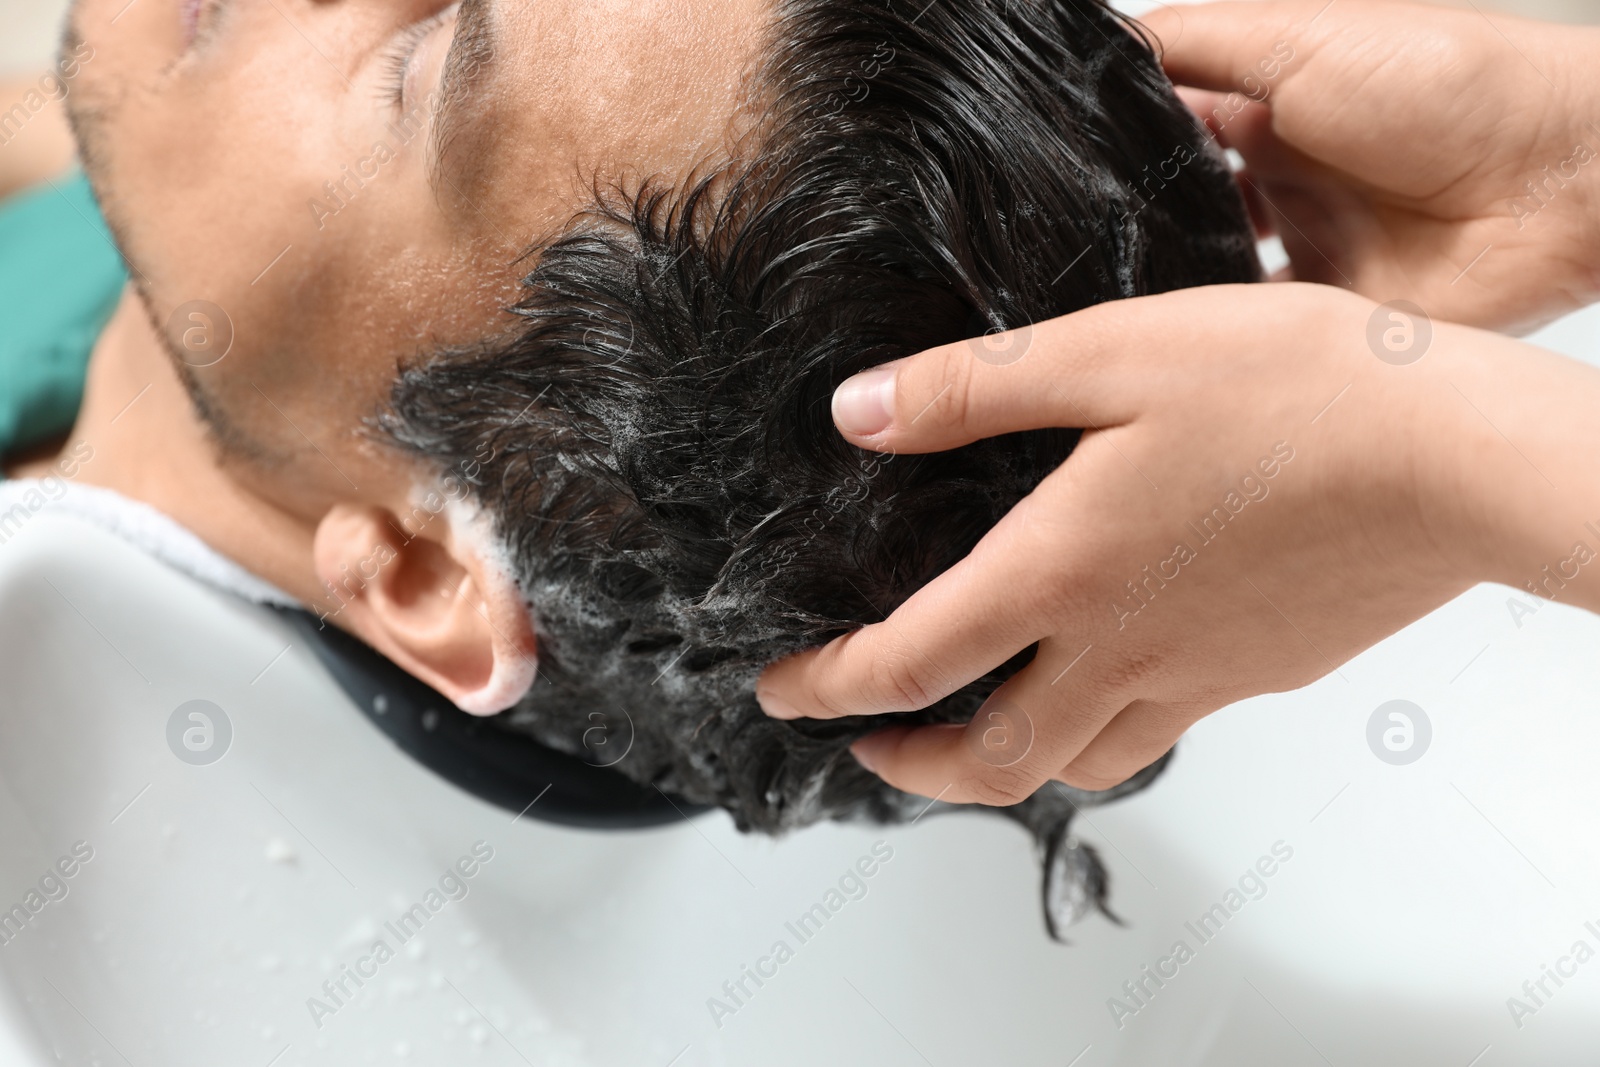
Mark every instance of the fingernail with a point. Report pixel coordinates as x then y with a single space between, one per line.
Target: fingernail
776 706
864 405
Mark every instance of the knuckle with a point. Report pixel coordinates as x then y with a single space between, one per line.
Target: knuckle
901 682
830 696
1057 591
1095 779
1000 787
1130 673
950 389
828 704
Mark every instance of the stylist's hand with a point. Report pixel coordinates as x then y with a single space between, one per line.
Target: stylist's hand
1258 499
1392 146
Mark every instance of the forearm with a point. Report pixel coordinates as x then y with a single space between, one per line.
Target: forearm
1525 466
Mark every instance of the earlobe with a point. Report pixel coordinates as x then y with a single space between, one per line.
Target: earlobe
440 607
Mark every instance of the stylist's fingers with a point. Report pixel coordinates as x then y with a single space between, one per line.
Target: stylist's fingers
1136 737
1230 46
1012 590
1023 735
991 605
956 629
1021 379
1077 371
1211 108
1232 120
1246 126
1104 366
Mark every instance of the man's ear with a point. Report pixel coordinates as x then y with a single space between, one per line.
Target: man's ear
435 605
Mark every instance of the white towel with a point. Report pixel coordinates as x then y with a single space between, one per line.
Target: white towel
138 524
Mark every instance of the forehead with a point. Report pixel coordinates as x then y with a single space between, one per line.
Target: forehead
614 90
302 210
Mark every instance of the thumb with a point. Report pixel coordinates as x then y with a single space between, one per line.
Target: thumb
1075 371
1240 46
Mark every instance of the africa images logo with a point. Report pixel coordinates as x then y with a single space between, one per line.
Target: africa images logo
1399 732
199 732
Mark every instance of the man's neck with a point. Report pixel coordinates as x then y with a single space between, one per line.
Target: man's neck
147 444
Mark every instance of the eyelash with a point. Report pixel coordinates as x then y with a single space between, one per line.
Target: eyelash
397 58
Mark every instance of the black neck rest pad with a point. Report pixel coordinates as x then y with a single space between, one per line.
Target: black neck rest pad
506 769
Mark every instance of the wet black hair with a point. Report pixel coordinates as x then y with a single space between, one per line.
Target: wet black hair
662 467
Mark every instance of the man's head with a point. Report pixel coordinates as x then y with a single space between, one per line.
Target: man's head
652 444
347 183
400 155
706 214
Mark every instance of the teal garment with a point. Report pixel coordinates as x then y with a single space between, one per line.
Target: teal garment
60 279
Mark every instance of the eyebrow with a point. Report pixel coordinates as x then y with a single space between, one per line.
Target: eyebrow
467 69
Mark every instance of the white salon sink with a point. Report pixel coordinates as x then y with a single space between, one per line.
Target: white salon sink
221 897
